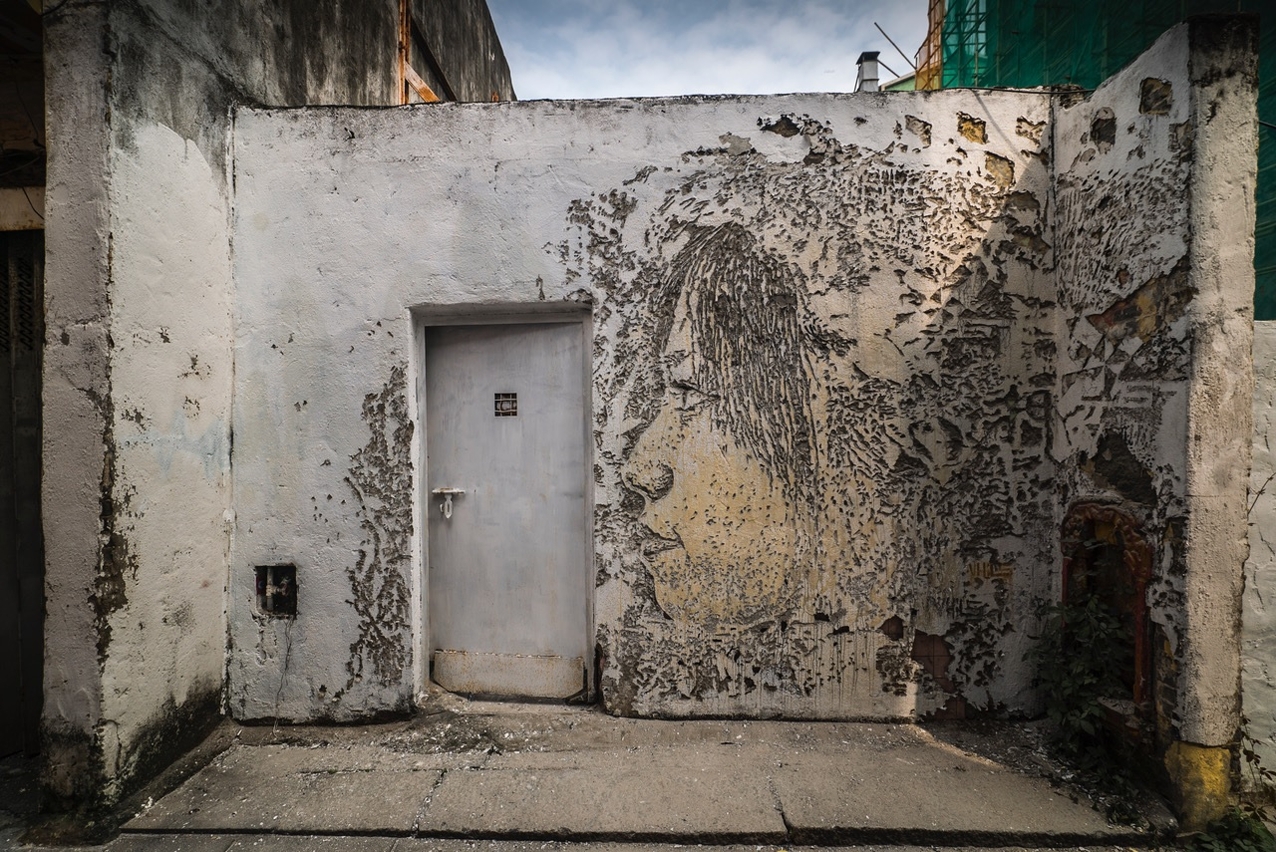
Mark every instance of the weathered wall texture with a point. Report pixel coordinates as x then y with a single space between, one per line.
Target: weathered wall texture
1154 378
139 364
870 461
1259 637
856 360
466 58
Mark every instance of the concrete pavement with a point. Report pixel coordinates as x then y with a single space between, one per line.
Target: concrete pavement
489 777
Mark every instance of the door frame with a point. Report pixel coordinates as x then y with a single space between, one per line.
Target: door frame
425 317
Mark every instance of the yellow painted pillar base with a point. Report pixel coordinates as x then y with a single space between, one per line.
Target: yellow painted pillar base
1201 780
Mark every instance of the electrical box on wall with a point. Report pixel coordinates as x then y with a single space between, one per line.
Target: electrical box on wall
277 590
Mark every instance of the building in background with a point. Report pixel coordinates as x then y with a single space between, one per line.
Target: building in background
1028 43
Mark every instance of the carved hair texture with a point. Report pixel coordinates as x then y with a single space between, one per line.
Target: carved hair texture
743 309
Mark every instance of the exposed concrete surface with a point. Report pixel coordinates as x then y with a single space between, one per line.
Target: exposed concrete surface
622 792
1156 336
139 355
547 773
337 843
1258 636
1224 73
888 522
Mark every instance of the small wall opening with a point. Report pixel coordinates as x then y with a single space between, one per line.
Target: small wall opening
277 590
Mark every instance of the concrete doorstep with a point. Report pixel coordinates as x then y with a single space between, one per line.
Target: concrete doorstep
501 772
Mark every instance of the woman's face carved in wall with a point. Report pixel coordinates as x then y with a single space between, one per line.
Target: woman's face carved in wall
727 542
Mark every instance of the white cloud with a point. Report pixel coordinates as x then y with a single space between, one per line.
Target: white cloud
596 48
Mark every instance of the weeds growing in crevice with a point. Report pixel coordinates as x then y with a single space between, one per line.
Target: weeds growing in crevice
1080 659
1236 831
1244 827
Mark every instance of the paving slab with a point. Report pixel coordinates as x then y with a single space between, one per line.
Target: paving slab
342 758
634 795
428 844
919 793
172 843
254 799
293 843
554 774
331 843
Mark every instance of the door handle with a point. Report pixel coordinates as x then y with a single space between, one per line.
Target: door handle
447 494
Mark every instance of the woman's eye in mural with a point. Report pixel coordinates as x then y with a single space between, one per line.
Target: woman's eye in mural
687 397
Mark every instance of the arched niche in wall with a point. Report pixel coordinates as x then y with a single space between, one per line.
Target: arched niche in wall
1106 556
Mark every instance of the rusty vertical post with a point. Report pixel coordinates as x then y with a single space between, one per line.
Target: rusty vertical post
405 45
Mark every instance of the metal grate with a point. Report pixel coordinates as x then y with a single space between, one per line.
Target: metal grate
21 262
506 405
6 344
25 322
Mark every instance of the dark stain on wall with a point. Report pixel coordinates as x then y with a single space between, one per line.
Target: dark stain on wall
173 730
71 774
109 586
214 55
463 41
1114 466
380 475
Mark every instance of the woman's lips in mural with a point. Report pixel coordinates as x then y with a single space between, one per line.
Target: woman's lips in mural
653 544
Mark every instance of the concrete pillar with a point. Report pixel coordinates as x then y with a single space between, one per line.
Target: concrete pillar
1223 55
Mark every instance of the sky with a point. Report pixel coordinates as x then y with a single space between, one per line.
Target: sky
627 48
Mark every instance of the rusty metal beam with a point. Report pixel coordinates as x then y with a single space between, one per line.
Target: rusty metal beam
405 45
420 86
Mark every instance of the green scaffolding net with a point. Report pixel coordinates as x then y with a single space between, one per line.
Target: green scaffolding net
1024 43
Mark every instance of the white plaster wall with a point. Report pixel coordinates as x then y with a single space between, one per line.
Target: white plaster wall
171 371
545 202
139 360
74 387
1121 227
1258 638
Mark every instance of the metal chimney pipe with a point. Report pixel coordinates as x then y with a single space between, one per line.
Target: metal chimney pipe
866 78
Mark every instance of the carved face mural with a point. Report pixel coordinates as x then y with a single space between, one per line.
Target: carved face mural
725 468
821 405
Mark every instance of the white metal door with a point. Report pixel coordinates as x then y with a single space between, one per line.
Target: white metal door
505 433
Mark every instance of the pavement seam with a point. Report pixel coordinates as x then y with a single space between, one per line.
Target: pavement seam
427 801
803 837
779 807
481 763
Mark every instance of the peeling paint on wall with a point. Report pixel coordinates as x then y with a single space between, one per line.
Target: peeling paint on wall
1125 364
835 400
1149 383
854 360
380 476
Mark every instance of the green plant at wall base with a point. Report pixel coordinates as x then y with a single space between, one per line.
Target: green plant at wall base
1079 659
1263 778
1236 831
1243 829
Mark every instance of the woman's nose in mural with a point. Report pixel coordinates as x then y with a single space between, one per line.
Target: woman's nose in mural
649 472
